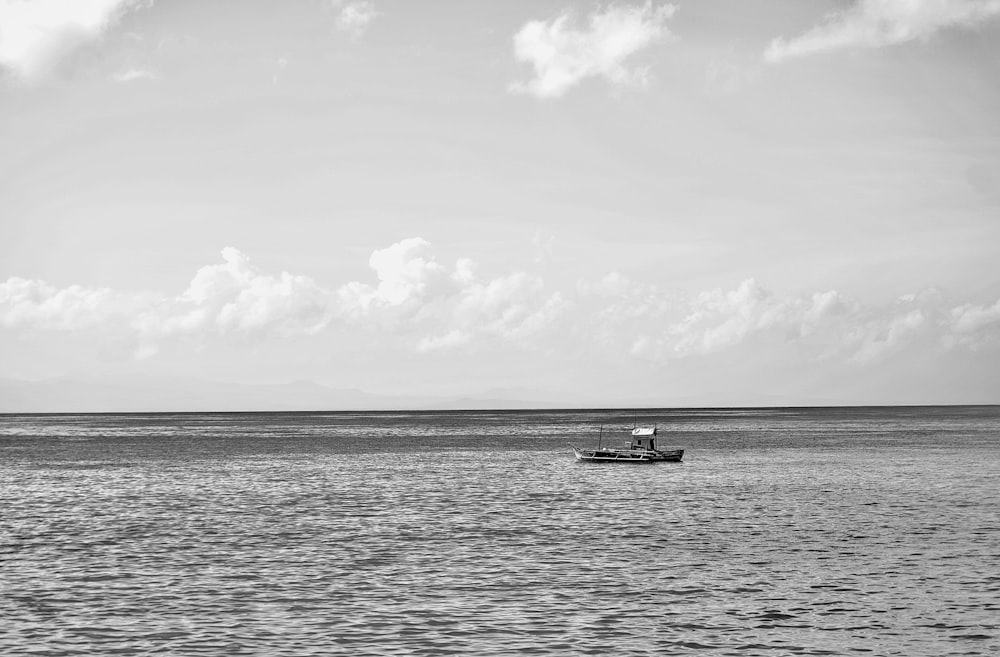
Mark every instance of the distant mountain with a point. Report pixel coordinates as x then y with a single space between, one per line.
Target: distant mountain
161 394
511 398
178 394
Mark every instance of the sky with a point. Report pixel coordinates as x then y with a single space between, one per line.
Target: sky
688 203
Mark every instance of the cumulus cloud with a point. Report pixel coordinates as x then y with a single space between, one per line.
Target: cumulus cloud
661 326
36 35
37 305
889 335
974 325
876 23
406 273
235 297
720 319
232 298
414 301
449 306
563 55
512 307
426 304
355 17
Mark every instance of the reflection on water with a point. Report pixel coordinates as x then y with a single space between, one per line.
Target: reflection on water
870 531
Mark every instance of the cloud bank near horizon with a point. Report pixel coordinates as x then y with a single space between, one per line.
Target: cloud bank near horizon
425 306
877 23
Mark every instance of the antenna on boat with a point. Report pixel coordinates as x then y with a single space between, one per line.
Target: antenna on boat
599 436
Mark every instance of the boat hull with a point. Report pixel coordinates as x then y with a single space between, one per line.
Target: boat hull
670 455
627 455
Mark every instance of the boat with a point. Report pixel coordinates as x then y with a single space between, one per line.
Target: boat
640 449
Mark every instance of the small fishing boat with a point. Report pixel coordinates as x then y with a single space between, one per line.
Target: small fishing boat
640 449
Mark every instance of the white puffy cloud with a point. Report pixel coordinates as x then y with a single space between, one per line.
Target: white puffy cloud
563 55
512 307
875 23
37 305
355 17
974 325
36 34
720 319
447 307
234 297
679 326
652 324
874 340
416 302
406 274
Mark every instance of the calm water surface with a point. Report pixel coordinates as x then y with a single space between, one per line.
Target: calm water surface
785 531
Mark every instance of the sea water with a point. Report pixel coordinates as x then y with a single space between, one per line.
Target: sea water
785 531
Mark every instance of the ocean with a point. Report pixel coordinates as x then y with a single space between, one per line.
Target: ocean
821 531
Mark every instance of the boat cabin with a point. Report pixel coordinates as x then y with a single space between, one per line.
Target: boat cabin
643 438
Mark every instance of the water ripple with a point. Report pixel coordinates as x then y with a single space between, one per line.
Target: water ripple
285 535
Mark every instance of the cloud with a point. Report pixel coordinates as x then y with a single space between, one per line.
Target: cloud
888 336
35 36
446 307
37 305
355 17
876 23
425 304
236 298
415 302
720 319
232 298
406 274
974 326
513 307
563 55
654 325
133 74
450 340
